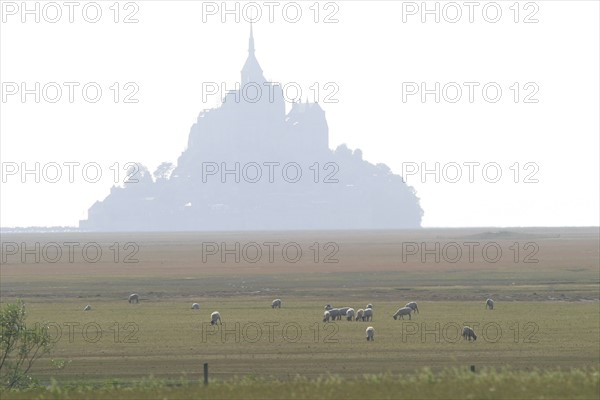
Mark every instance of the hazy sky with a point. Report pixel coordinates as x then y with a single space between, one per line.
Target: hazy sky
376 54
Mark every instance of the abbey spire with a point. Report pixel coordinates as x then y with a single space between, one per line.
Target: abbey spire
252 72
251 41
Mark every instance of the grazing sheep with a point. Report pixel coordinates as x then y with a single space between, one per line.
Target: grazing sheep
195 306
335 313
134 298
402 312
489 303
468 333
214 317
276 303
413 306
350 314
328 307
370 333
344 310
368 315
360 315
87 308
326 316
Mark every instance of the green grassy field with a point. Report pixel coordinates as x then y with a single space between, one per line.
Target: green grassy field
546 320
167 339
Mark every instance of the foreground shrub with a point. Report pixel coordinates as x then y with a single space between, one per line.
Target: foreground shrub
20 346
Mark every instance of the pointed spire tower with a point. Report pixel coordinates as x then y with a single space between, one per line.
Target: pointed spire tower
251 41
252 72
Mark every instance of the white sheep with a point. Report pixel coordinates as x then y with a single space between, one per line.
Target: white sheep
326 316
87 308
335 313
413 306
360 315
370 333
368 315
468 333
343 312
489 303
214 317
195 306
328 307
402 312
369 305
276 303
134 298
350 314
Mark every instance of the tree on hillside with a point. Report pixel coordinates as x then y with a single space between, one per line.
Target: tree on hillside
164 171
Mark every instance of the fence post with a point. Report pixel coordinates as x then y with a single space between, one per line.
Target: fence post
472 368
206 373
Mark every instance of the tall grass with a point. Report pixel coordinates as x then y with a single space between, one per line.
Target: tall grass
423 384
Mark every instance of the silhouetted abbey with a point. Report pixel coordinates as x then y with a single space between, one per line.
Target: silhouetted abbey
241 170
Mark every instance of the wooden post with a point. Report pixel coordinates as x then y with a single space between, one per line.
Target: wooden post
472 368
206 373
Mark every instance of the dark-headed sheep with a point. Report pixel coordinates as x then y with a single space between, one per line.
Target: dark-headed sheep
468 333
215 317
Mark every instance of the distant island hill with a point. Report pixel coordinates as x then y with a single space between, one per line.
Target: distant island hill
250 166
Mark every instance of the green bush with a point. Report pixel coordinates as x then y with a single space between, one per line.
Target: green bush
20 346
